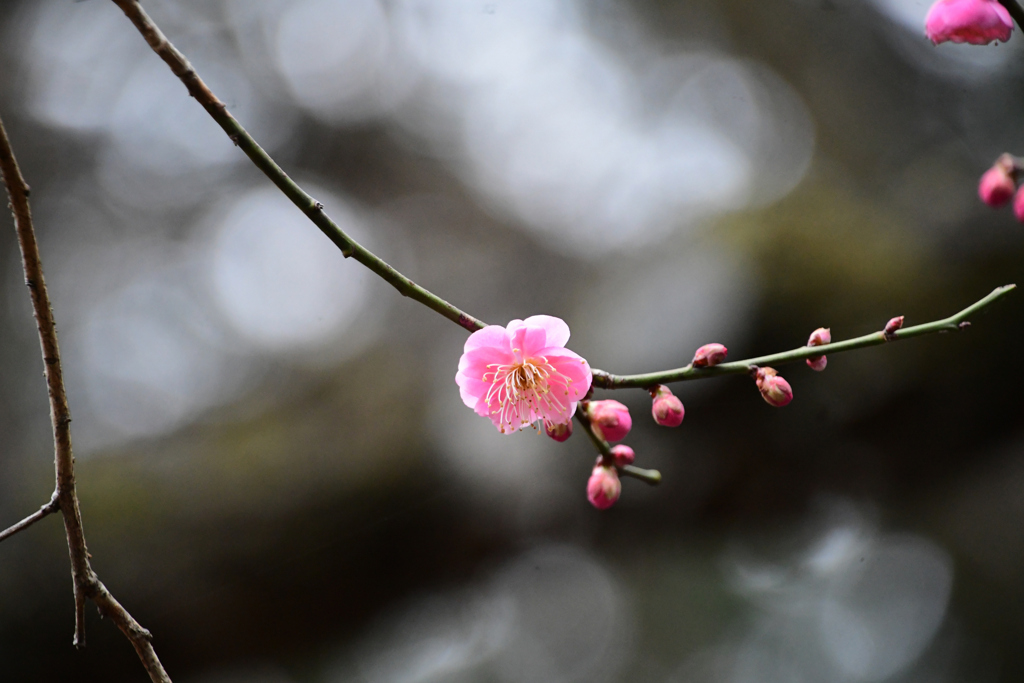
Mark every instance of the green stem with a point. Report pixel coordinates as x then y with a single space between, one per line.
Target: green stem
958 321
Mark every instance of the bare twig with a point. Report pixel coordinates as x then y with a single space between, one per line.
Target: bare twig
86 583
45 510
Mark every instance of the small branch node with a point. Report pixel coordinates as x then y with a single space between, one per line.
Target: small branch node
963 325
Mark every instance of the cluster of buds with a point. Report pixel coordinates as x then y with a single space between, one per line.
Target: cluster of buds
999 183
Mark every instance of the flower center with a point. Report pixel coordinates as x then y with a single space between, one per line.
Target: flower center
526 390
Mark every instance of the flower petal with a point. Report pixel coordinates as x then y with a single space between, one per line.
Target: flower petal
573 367
493 336
555 329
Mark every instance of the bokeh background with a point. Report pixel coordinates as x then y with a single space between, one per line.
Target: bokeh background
276 473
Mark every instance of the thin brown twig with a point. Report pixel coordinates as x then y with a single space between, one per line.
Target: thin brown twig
45 510
86 584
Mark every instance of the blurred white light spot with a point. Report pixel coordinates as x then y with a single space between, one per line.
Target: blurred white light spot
79 55
882 617
857 607
556 129
554 614
469 41
152 356
656 315
281 283
336 58
158 126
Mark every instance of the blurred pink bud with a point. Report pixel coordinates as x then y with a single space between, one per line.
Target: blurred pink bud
1018 205
893 325
996 186
611 419
558 432
623 455
819 337
775 390
708 355
817 363
604 487
968 21
667 409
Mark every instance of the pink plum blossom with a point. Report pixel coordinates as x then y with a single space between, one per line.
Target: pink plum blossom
604 487
611 419
968 21
522 373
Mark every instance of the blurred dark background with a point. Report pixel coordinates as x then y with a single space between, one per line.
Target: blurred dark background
276 473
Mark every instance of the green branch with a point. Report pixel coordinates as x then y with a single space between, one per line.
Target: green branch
958 321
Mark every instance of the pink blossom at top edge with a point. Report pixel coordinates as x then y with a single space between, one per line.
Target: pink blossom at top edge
978 22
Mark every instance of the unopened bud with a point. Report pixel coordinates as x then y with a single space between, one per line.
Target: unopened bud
996 186
775 390
819 337
558 432
611 419
666 408
708 355
891 327
604 487
623 455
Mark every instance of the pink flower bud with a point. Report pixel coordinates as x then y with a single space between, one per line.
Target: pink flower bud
611 419
708 355
558 432
775 390
996 186
817 363
968 21
604 487
819 337
1018 205
623 455
667 409
893 325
